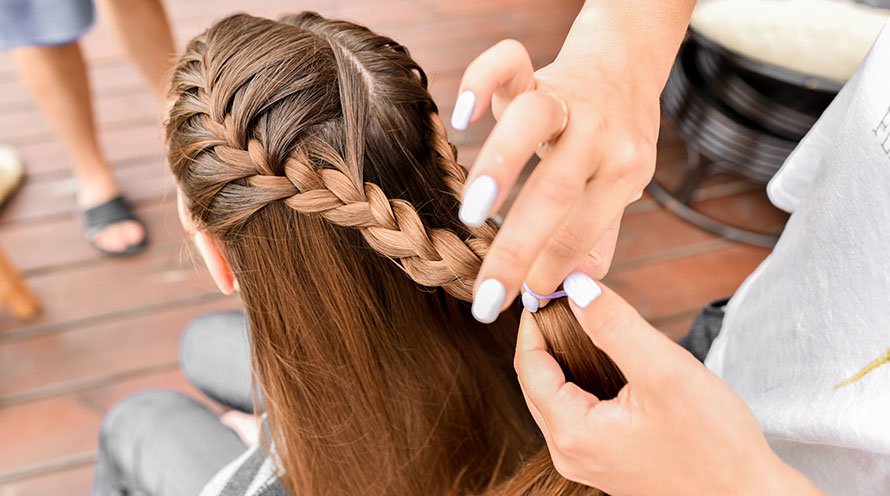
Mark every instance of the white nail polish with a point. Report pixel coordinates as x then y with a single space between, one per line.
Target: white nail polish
478 201
582 290
530 303
463 110
489 300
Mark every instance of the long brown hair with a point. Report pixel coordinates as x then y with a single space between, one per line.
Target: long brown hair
313 152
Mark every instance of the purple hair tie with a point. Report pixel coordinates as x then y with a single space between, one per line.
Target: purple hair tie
532 301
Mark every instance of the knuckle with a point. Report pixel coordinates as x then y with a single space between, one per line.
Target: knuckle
512 46
565 441
559 189
563 466
543 109
600 270
508 255
527 102
590 127
477 75
565 245
633 161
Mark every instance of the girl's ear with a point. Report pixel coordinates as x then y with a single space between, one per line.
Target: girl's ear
216 263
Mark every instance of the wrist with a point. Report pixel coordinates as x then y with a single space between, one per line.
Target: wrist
777 478
636 41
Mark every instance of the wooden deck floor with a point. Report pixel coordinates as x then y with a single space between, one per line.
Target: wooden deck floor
111 327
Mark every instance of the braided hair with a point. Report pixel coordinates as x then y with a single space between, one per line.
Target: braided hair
312 150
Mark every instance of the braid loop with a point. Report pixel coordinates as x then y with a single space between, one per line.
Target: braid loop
317 180
392 227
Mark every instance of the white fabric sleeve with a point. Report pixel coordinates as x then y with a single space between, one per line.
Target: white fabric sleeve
790 185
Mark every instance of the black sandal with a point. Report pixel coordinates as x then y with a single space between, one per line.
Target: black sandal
109 213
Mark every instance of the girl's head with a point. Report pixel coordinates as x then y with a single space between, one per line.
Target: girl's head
315 171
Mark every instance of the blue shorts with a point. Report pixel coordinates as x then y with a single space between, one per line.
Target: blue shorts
44 22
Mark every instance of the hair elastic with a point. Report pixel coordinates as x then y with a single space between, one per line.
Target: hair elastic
532 301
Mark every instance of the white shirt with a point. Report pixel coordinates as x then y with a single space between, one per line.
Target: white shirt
806 339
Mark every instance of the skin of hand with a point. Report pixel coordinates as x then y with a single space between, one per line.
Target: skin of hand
245 425
674 429
608 77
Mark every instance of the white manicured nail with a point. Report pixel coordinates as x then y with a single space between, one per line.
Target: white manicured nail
530 303
463 110
478 201
582 290
489 300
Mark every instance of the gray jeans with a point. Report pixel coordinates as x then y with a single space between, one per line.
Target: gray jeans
164 443
705 329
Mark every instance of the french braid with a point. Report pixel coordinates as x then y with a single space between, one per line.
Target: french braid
313 183
234 163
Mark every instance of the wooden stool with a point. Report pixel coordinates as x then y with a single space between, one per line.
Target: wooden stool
14 293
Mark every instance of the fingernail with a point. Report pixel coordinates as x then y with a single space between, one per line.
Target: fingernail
489 300
582 290
463 110
478 201
530 303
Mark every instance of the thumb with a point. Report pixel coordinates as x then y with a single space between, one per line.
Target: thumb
646 356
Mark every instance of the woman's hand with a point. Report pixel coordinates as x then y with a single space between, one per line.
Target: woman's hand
675 428
567 214
595 109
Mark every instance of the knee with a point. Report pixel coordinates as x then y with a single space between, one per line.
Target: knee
209 339
134 415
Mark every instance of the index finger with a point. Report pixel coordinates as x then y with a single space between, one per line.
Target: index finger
504 70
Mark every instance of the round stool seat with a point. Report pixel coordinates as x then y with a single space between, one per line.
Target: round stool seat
818 38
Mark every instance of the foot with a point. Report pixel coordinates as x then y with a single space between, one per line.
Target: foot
118 237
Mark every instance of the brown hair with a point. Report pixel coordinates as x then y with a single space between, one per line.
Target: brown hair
312 151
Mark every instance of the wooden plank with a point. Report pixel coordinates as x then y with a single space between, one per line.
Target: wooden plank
113 78
113 287
65 362
76 480
122 146
111 112
667 288
40 199
34 246
646 234
751 210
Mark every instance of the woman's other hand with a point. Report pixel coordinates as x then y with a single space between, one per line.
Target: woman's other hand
675 428
593 116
